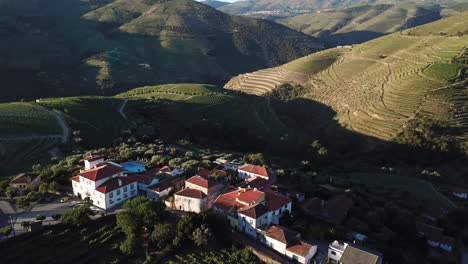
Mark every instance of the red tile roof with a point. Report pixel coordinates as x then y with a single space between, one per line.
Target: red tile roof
113 184
259 182
275 201
256 170
165 184
203 173
336 208
202 182
243 197
144 179
300 248
253 211
239 198
330 188
101 172
192 193
76 178
282 234
24 178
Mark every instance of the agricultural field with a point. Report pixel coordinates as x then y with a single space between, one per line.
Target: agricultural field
233 256
97 118
378 86
26 119
182 89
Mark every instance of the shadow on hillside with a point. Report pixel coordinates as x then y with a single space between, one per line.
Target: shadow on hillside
64 41
350 38
282 129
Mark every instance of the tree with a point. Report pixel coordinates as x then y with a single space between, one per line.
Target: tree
23 202
44 187
6 231
25 225
56 216
77 216
137 214
53 187
163 235
10 193
202 235
40 217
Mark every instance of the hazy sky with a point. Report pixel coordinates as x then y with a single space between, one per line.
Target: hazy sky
230 1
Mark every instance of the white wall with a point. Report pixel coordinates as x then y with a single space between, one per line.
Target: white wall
188 204
91 164
119 195
276 245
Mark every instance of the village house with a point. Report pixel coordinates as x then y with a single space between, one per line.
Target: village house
288 242
347 253
145 179
256 182
25 182
200 197
215 173
435 237
228 165
461 193
332 211
240 208
105 184
248 170
165 187
190 200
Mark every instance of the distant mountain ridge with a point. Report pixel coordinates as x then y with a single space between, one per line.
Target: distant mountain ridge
359 24
214 3
76 47
264 8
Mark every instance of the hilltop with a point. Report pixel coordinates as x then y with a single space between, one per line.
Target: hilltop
105 47
359 24
214 3
268 8
408 87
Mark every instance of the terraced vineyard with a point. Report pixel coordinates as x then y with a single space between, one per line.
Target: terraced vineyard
378 86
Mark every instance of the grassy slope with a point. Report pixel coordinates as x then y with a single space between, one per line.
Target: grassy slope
106 45
97 118
378 86
363 23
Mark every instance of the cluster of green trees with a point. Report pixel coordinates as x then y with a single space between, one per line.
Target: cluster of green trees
144 222
287 92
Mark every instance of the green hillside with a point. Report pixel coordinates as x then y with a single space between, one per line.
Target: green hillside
409 87
363 23
77 47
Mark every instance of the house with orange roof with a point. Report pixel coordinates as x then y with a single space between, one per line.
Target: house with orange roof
107 185
289 243
249 170
240 208
198 195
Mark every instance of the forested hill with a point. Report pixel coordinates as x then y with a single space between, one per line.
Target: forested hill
76 47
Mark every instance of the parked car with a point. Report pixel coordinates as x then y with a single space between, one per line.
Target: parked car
72 204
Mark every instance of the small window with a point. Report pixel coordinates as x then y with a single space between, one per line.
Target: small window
111 195
111 201
132 186
132 192
295 257
118 192
333 253
125 189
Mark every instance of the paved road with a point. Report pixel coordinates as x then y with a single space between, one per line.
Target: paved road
122 107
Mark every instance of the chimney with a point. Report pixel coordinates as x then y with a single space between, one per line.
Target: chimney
120 182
